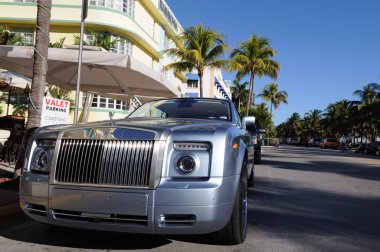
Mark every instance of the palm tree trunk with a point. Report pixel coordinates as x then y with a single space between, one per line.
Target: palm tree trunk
40 65
200 76
250 94
271 105
87 107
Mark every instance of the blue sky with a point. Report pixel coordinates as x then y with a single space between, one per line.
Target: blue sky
326 48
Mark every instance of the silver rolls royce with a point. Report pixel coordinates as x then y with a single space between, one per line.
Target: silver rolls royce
175 166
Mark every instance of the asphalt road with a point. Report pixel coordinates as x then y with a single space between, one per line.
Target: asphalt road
305 199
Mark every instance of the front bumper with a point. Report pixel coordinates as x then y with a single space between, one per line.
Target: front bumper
174 207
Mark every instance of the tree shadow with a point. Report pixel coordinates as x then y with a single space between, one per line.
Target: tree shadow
287 210
319 163
320 218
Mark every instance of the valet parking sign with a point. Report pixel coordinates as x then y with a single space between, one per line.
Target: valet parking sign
55 111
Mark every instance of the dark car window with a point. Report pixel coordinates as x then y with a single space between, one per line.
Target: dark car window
235 116
185 108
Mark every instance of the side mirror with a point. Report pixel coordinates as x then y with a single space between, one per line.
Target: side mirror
249 123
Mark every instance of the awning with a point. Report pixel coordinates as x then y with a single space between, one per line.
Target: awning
102 71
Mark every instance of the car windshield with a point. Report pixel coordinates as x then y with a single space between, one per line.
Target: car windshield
331 140
185 108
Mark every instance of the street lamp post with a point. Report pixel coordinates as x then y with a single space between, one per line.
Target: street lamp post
83 17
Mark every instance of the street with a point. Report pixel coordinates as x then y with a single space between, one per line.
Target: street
305 199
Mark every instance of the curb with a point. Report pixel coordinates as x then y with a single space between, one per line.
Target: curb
10 209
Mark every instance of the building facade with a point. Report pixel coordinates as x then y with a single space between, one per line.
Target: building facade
141 29
213 85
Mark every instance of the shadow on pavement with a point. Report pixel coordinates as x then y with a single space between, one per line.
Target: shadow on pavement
37 233
319 219
319 163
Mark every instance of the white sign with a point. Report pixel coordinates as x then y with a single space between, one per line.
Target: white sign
55 111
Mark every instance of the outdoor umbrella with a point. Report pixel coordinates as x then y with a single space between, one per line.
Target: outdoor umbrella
102 71
15 80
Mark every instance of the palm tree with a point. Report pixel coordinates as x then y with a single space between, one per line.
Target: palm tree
20 109
40 65
58 44
338 118
294 125
239 93
314 118
270 93
59 93
262 115
369 94
254 58
9 38
369 105
197 49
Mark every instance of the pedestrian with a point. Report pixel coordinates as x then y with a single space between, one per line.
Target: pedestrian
342 143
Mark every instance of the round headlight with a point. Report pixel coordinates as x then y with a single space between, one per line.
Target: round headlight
41 160
186 164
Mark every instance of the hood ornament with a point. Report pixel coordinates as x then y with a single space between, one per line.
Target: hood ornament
111 114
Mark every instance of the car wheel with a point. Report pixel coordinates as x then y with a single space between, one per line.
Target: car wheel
378 153
251 179
235 231
366 152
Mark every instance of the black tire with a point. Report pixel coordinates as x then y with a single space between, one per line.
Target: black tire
378 153
235 231
366 152
251 179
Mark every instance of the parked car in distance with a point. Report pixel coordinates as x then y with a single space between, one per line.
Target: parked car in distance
175 166
331 143
360 148
373 148
315 142
294 140
249 123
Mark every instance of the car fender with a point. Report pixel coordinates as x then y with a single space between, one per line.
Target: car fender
241 154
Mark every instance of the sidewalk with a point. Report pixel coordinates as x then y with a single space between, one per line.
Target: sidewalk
9 201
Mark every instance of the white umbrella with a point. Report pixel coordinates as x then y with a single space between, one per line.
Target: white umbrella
102 72
15 79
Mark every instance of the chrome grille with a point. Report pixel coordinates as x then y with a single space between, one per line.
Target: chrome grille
104 162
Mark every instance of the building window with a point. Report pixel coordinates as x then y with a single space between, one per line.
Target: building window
126 6
106 103
122 46
26 33
25 1
192 83
166 42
